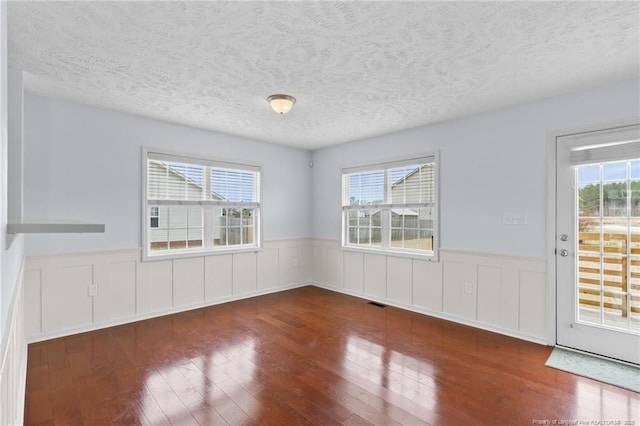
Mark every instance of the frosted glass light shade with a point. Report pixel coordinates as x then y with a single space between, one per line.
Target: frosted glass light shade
281 104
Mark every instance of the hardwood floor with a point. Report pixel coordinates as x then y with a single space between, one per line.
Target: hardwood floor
306 356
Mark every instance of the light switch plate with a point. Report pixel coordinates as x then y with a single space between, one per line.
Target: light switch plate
514 218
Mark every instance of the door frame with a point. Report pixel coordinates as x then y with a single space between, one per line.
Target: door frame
551 186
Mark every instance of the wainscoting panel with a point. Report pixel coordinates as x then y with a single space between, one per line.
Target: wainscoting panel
427 285
73 298
33 293
354 271
320 263
268 268
375 275
218 276
399 280
244 273
456 277
116 299
188 281
57 287
510 297
335 274
532 302
289 262
502 293
13 361
154 286
490 296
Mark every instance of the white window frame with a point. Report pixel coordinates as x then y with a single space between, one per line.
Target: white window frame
386 207
206 249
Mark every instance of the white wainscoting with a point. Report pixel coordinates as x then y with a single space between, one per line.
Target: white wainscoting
501 293
57 300
13 362
508 293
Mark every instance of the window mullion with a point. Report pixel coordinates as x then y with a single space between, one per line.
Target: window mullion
208 224
386 227
384 213
208 221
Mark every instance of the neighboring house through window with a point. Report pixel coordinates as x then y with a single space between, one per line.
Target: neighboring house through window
154 217
199 205
391 206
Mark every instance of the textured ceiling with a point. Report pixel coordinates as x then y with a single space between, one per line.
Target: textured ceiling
357 69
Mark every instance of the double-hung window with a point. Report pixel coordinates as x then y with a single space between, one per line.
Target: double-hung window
391 206
195 205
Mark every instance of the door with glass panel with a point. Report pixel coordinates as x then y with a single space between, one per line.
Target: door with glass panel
598 242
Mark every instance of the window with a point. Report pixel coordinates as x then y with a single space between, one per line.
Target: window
391 206
198 205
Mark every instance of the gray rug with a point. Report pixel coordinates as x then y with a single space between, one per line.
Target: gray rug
603 370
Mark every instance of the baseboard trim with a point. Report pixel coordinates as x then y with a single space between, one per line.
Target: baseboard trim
436 314
128 320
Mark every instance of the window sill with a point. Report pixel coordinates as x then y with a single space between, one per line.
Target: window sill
431 257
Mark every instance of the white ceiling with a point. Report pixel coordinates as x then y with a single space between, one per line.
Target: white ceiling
357 69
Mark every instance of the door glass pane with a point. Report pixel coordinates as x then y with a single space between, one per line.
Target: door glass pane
589 173
589 288
589 235
608 260
634 169
614 171
614 199
589 199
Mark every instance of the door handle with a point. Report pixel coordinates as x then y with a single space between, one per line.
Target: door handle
563 252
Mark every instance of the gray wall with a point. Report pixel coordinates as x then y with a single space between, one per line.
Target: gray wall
490 164
85 163
10 134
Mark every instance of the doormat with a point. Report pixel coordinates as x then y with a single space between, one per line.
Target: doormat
602 370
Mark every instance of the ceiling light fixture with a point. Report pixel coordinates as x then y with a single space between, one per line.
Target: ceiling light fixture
281 104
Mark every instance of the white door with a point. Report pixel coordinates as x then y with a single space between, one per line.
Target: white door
598 242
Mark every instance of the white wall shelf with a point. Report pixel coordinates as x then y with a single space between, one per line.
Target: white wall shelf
51 226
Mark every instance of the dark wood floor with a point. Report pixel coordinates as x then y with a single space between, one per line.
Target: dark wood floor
306 356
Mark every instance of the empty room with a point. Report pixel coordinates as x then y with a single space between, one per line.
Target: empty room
310 212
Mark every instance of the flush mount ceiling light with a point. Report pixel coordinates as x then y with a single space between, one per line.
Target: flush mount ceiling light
281 104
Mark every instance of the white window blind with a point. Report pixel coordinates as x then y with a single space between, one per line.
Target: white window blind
235 185
169 180
195 204
200 182
604 145
391 206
